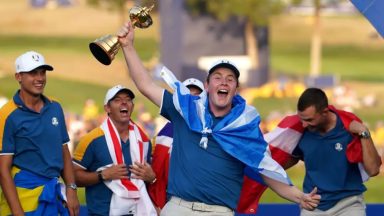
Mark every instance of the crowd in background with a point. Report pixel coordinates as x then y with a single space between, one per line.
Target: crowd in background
342 97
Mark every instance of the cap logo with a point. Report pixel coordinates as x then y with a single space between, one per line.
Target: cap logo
36 57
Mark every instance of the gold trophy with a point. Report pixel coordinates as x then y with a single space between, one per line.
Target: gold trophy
105 48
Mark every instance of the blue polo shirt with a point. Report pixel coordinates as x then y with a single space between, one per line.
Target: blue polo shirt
34 139
210 175
327 166
92 153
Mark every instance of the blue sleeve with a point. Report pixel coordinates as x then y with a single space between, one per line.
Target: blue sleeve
167 106
168 109
64 131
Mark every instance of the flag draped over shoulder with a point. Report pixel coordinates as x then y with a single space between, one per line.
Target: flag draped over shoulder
127 192
238 133
373 10
285 137
283 140
160 165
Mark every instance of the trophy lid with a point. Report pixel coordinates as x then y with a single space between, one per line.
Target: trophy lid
140 16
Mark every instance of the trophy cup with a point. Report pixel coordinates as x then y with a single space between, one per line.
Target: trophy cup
104 49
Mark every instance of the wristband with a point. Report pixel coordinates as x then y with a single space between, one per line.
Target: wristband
73 186
365 134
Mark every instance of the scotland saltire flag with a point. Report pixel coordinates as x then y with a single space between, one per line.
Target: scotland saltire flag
238 133
373 10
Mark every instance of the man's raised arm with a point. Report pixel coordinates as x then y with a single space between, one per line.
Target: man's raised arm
138 73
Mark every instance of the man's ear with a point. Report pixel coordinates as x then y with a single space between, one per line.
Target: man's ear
325 111
18 77
107 109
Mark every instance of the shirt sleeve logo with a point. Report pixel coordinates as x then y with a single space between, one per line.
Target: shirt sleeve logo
338 147
55 122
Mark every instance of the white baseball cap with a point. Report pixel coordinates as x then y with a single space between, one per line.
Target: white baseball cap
224 63
29 61
194 82
112 92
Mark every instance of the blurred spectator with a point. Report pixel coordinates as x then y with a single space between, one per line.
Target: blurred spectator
90 114
51 3
279 89
38 3
379 134
145 120
378 137
369 100
90 109
345 98
76 129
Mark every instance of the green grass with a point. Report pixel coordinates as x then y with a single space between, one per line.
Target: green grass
266 105
350 62
71 94
78 45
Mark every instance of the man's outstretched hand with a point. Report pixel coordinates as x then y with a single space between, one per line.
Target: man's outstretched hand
310 201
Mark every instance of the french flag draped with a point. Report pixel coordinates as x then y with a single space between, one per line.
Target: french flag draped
160 165
373 10
238 133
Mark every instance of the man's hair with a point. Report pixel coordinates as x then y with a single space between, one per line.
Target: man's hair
312 97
